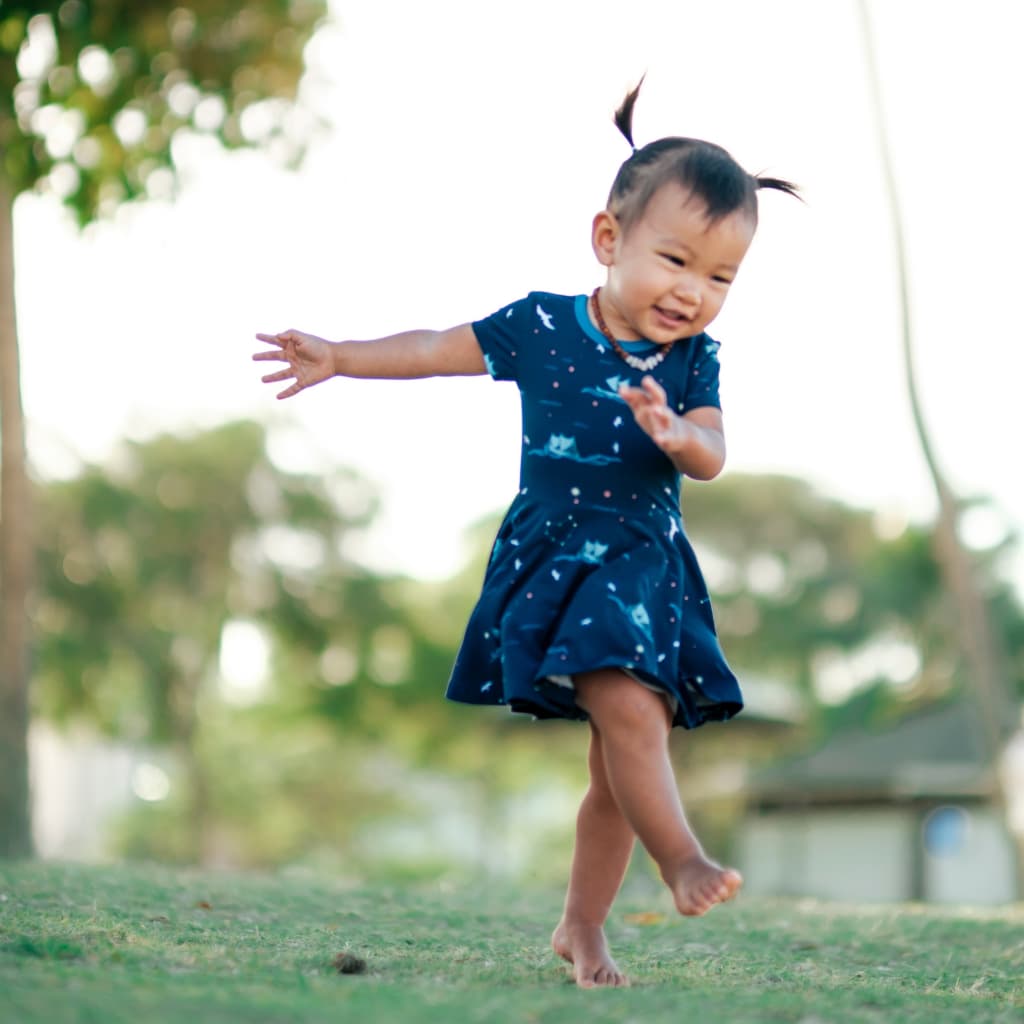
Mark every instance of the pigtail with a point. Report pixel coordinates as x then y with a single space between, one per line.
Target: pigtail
779 184
623 117
703 169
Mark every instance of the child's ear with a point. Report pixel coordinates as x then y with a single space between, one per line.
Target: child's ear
604 237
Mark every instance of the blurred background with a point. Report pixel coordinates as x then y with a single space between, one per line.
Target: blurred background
241 614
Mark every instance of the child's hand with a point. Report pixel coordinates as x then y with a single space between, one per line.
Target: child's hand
650 410
694 442
310 360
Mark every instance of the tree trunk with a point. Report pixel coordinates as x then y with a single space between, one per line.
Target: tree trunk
15 564
979 646
981 650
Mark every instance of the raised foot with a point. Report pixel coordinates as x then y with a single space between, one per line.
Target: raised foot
699 884
586 948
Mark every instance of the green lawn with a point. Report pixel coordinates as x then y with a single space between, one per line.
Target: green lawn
146 945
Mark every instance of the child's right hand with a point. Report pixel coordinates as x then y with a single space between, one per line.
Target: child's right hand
310 360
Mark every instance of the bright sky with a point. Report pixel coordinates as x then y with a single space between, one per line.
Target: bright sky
470 146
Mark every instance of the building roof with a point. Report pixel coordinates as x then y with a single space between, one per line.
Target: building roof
939 753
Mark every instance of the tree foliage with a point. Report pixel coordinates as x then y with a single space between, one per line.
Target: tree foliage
809 590
94 93
94 97
144 566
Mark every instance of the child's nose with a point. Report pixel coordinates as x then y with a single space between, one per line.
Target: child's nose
687 290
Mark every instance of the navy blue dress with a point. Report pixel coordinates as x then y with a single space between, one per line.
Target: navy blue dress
591 567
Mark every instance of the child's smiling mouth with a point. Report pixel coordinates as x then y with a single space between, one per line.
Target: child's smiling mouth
673 316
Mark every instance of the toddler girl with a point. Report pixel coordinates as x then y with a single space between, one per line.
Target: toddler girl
593 606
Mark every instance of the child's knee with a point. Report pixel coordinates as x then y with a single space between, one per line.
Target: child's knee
617 702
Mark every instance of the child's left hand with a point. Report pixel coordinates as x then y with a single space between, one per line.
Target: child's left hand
694 442
651 412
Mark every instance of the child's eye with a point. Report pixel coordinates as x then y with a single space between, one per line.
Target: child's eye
676 261
722 280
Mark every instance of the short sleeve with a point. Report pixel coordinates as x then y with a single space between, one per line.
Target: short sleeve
702 381
501 337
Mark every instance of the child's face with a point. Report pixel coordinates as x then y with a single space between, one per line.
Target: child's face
668 276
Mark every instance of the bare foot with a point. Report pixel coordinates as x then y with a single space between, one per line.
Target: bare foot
586 948
698 884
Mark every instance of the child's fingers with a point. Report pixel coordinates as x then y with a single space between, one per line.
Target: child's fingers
272 378
660 425
633 397
284 338
270 353
654 389
636 406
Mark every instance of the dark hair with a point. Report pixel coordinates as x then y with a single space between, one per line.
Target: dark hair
705 170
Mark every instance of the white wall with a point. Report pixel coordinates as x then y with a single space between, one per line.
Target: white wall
78 783
834 855
977 868
868 855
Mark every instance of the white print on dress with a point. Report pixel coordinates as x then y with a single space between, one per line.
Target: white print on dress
637 614
592 552
559 446
611 391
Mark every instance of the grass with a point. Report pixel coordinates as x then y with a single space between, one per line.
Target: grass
129 944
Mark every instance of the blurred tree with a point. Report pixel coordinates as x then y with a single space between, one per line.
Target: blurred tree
281 790
147 567
796 576
980 646
807 591
93 94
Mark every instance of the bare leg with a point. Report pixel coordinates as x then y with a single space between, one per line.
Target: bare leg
633 723
604 842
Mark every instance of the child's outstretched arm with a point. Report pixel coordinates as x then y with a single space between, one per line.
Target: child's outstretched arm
412 354
695 441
